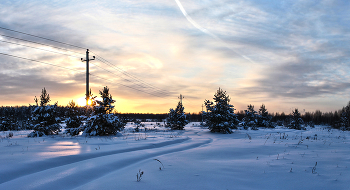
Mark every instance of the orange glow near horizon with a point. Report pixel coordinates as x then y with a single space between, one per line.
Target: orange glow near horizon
82 101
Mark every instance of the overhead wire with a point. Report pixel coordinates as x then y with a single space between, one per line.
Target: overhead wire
123 78
40 43
100 58
141 83
39 48
121 70
41 37
103 60
19 57
129 75
33 60
126 73
71 56
126 86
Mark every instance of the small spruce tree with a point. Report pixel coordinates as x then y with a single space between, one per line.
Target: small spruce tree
264 120
44 98
296 121
220 116
9 124
73 121
250 118
344 123
44 117
102 121
177 119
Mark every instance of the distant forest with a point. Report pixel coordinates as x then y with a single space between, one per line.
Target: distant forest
23 113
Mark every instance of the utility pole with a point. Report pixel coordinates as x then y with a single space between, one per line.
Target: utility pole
181 97
202 112
87 75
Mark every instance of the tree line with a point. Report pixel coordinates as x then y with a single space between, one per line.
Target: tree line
22 113
218 112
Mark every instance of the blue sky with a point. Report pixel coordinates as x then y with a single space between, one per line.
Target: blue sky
284 54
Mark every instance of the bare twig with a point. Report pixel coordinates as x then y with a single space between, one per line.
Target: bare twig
160 163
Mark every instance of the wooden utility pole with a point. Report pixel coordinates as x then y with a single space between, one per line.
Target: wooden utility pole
87 75
202 112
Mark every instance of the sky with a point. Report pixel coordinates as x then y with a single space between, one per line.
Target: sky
285 54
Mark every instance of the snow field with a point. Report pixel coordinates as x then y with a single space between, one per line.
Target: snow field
193 159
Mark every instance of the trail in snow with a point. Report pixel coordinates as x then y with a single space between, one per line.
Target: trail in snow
278 158
28 169
67 172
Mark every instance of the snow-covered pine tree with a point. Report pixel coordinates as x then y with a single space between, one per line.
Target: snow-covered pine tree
73 121
220 116
296 121
8 124
264 120
176 119
44 117
344 123
102 121
250 118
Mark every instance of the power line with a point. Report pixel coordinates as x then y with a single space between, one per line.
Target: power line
39 61
39 43
39 48
129 75
33 60
140 85
125 79
102 60
126 86
161 91
41 37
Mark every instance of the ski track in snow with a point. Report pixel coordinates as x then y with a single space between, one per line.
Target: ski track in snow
75 170
278 158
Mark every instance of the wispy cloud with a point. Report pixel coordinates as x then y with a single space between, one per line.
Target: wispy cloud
208 32
282 51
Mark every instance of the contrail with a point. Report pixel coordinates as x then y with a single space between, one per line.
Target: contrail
208 32
193 22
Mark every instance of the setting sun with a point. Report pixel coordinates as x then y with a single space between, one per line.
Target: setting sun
82 101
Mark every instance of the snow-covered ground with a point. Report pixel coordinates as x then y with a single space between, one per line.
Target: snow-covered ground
193 159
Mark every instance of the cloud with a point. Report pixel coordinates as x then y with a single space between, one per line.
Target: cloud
302 79
298 49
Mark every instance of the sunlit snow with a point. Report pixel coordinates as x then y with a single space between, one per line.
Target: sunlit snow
278 158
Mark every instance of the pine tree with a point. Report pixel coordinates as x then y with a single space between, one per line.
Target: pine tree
264 120
220 116
9 124
344 123
296 121
177 119
44 117
74 121
250 118
103 121
263 111
44 98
